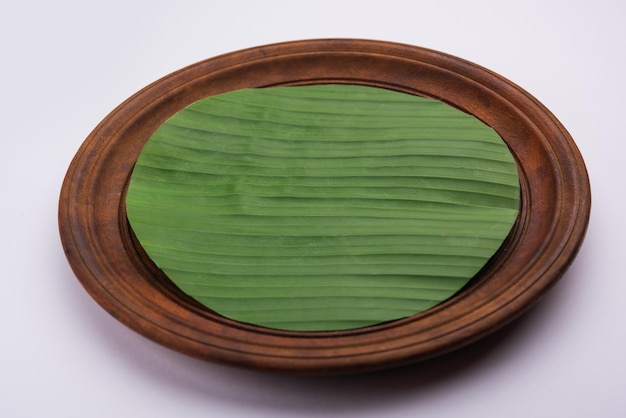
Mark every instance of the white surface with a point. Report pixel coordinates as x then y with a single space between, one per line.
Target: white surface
66 64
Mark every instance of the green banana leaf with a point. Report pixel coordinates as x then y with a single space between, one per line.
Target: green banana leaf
322 207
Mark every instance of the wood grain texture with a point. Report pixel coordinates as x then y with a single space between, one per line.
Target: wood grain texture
105 257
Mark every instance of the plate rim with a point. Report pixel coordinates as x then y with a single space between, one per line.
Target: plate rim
110 265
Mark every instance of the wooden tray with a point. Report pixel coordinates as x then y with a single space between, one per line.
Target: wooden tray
121 278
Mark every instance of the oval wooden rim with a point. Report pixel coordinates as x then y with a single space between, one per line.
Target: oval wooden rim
556 202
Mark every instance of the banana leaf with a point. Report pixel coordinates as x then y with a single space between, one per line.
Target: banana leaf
324 207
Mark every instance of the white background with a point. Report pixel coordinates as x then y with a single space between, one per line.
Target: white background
66 64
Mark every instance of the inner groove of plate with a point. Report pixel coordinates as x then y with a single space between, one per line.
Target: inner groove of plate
322 218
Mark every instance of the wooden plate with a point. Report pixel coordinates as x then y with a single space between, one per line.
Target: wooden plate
116 272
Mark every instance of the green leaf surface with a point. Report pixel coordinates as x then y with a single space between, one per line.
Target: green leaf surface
322 207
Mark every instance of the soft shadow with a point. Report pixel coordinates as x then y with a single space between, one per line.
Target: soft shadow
376 390
205 382
202 382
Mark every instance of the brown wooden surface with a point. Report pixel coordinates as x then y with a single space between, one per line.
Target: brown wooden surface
111 266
